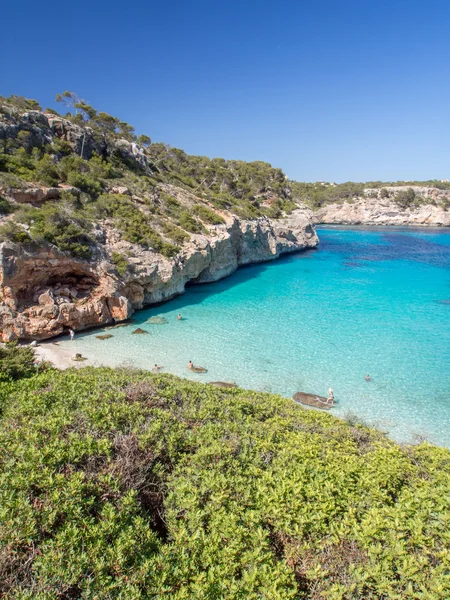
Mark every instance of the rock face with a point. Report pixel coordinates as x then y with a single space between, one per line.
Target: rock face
44 292
42 128
379 211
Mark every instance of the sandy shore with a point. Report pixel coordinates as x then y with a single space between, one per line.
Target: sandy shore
60 357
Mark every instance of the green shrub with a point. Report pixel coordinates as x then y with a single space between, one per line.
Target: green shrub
5 206
207 215
120 261
139 486
16 361
12 232
70 233
405 198
132 222
189 223
46 171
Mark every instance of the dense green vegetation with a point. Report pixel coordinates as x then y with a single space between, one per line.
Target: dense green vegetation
148 214
123 484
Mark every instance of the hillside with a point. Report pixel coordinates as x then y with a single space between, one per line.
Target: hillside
97 222
121 484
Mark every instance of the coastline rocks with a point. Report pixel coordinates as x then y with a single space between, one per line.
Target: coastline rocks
44 291
377 211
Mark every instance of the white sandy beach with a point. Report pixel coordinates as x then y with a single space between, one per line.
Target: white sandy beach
61 357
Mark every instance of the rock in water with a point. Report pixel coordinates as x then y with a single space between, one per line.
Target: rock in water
139 330
157 321
313 400
106 336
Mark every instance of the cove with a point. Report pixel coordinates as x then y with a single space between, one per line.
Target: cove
367 301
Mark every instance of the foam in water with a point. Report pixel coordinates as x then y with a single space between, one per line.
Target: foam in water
368 301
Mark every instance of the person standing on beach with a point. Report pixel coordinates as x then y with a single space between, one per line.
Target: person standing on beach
72 334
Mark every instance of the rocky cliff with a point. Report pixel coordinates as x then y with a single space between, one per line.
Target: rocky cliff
94 225
43 291
381 207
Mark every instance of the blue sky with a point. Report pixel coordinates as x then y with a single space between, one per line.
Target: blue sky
325 89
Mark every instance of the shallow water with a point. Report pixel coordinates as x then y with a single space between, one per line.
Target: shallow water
371 301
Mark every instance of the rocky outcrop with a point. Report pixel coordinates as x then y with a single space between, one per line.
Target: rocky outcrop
43 291
383 211
42 130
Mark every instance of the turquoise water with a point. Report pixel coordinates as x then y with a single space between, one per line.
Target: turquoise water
373 301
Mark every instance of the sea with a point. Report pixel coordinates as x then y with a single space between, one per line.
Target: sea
367 301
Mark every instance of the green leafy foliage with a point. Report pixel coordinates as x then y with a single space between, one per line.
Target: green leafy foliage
132 223
207 215
13 232
16 361
53 224
121 262
5 206
122 484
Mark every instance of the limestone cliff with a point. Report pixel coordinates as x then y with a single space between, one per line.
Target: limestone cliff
374 209
43 291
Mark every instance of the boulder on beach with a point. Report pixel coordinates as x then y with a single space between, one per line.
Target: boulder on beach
139 330
157 321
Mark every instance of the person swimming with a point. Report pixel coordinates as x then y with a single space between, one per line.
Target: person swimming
156 368
180 318
190 365
368 378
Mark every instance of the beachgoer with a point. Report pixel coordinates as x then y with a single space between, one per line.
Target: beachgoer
190 364
330 396
368 378
179 317
156 368
71 333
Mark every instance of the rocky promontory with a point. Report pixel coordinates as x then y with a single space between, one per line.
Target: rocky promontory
429 207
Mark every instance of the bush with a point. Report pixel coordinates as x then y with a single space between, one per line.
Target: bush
132 223
12 232
120 262
5 206
405 198
137 486
16 361
56 226
207 215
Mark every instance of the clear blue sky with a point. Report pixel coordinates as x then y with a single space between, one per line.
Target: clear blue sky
325 89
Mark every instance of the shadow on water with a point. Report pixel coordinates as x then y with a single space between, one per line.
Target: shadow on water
196 293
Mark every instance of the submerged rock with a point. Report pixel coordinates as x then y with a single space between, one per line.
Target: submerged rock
139 330
106 336
223 384
157 321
